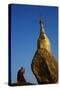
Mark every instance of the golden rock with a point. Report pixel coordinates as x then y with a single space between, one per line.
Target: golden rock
44 65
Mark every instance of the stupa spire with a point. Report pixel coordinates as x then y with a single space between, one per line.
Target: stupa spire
43 40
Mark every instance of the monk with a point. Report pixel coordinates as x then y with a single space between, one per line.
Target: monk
20 76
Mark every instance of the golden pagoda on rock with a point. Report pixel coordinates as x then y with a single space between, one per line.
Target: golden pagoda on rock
44 65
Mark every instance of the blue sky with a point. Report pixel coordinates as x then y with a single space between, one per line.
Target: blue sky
25 31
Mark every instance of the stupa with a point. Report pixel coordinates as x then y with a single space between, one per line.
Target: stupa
44 65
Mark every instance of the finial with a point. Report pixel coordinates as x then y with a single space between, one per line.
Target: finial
41 26
41 23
